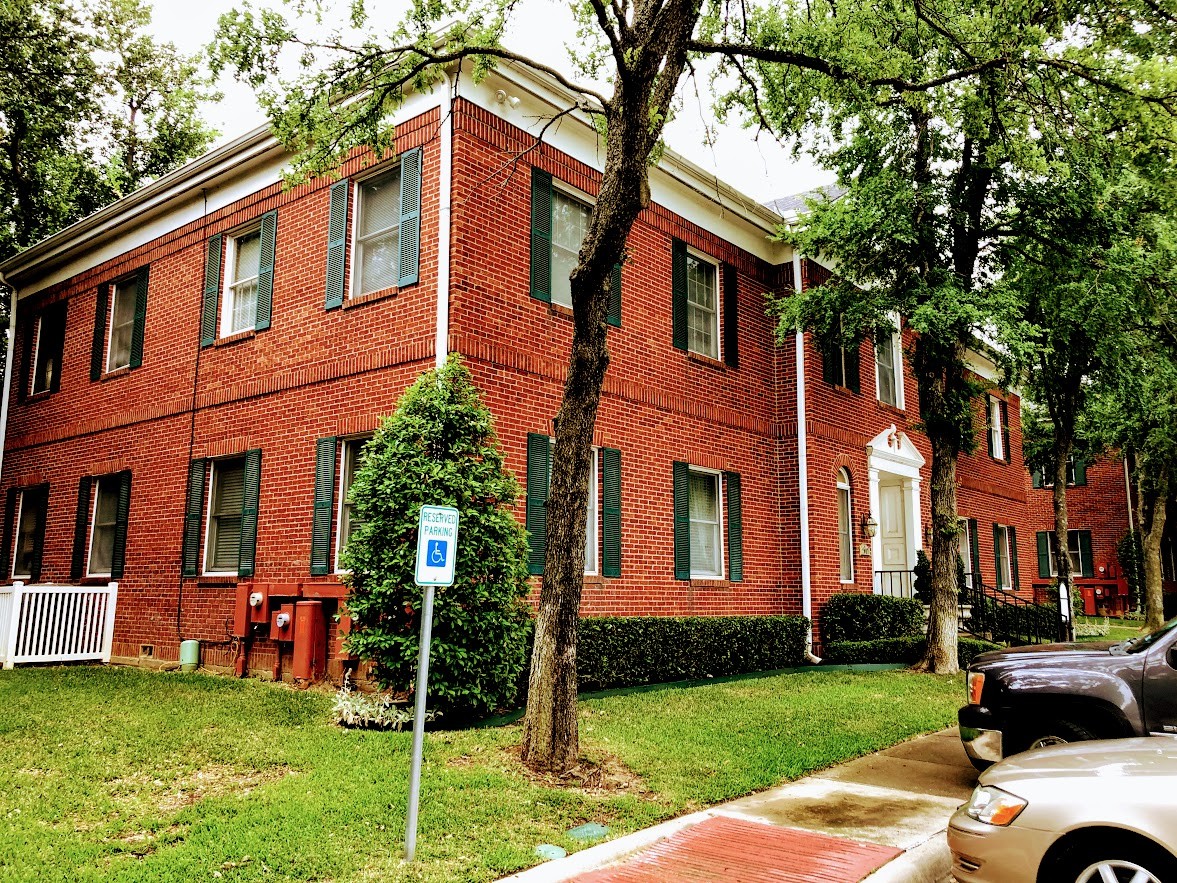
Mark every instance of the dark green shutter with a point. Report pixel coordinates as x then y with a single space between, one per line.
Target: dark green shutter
731 337
265 272
118 557
682 521
735 527
38 497
975 552
253 480
193 510
1043 538
1013 557
853 356
541 235
212 290
98 346
997 556
81 534
614 317
1080 472
409 235
611 511
1036 477
1005 430
140 319
1084 537
324 498
337 243
539 459
989 424
9 530
678 293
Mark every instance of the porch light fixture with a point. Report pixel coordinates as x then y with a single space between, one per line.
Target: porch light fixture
870 527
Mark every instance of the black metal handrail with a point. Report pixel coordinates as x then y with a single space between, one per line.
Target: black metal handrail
1006 617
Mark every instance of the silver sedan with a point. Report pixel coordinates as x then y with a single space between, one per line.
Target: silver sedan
1088 812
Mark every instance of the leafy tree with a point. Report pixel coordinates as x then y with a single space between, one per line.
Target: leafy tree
351 80
439 448
90 108
929 175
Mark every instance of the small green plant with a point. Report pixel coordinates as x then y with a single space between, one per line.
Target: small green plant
1092 628
372 711
921 584
439 447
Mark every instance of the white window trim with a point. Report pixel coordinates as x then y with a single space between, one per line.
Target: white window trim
113 294
93 523
230 263
345 445
896 367
208 520
840 486
714 263
718 475
567 190
353 220
1052 553
996 429
966 550
36 355
20 505
1006 579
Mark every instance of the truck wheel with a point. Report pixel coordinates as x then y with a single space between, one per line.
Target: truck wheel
1057 732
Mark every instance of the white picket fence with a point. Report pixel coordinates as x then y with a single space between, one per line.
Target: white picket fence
56 623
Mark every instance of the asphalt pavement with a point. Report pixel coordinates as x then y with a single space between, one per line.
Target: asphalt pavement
880 818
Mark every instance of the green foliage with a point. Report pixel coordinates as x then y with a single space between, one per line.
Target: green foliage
439 448
1130 554
633 650
921 583
854 617
907 650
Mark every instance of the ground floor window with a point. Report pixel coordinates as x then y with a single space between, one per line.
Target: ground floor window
706 536
31 509
1005 556
226 504
351 458
845 534
103 526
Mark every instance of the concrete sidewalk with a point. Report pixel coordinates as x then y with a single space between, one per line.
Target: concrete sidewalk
880 818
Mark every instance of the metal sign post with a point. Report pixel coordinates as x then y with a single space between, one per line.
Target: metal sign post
437 547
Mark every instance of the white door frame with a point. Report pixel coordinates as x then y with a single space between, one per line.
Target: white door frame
892 453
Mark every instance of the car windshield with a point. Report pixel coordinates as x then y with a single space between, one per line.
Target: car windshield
1142 643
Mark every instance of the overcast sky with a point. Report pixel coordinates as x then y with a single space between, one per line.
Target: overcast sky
759 168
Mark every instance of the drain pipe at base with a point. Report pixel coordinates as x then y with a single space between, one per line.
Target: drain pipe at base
803 477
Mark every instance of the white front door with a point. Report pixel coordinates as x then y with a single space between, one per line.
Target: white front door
893 527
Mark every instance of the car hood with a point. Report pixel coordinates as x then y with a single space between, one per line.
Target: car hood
1145 756
1045 653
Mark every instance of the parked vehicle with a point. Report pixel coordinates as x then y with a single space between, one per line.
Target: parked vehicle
1096 812
1030 697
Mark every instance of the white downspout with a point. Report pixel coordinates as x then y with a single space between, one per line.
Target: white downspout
445 198
10 333
1127 494
803 476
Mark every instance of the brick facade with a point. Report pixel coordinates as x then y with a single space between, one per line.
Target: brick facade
319 373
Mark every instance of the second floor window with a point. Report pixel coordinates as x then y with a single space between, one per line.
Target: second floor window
998 429
378 232
570 219
122 324
239 310
889 364
48 343
702 307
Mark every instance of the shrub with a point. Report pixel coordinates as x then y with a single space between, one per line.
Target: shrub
1092 628
921 583
372 711
908 650
859 617
633 650
439 447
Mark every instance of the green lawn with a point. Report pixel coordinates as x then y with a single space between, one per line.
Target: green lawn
1118 629
119 774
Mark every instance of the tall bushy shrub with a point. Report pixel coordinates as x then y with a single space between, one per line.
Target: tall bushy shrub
858 617
439 448
1130 553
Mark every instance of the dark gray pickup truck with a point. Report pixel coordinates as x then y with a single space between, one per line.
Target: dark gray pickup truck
1027 697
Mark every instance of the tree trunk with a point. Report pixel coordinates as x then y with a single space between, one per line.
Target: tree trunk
1153 500
1062 456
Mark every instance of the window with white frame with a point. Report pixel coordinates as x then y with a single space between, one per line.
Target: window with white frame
243 259
122 324
226 504
889 368
48 338
1079 564
1005 578
30 530
702 307
350 461
996 428
103 526
590 527
845 533
377 236
965 541
1072 473
705 507
570 218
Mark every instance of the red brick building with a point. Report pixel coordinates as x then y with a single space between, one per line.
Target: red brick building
195 369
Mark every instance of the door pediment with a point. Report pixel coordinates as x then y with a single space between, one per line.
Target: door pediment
892 451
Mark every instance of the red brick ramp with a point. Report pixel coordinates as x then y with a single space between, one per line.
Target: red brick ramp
737 851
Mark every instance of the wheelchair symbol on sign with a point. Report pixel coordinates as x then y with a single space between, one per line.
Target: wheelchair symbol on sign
435 554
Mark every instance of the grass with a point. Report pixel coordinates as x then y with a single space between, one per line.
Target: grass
124 775
1118 629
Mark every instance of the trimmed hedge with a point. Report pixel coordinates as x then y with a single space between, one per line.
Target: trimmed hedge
859 617
907 650
634 650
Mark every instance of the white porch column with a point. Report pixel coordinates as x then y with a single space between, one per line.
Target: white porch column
876 542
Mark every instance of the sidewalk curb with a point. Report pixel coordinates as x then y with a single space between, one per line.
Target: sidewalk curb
930 862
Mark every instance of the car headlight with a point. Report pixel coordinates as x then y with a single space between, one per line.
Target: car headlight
994 806
976 683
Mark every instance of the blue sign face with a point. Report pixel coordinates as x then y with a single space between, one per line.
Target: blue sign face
436 553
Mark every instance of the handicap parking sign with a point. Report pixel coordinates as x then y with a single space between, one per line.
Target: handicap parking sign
437 541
